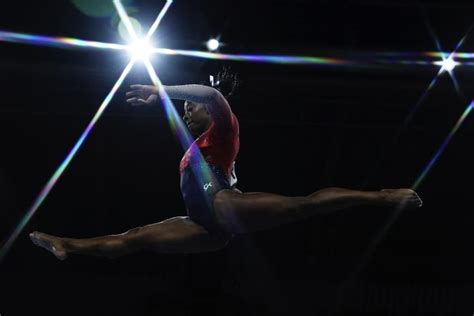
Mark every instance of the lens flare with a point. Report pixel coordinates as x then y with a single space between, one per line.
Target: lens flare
447 64
65 42
95 8
278 59
125 19
367 60
140 50
158 19
175 121
54 179
60 42
443 146
381 233
420 55
123 32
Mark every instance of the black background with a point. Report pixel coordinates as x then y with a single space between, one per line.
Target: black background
302 128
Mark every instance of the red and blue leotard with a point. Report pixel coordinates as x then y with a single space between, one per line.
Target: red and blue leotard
206 171
218 147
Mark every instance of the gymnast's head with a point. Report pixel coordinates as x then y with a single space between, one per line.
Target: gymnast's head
196 116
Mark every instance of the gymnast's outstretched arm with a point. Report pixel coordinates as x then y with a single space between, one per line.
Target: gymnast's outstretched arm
216 103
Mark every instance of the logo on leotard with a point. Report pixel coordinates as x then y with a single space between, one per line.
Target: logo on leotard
207 185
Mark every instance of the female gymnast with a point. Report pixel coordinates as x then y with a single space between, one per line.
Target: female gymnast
215 209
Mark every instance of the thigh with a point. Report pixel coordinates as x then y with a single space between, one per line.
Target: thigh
178 235
249 212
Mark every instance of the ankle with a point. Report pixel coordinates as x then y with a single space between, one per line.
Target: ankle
66 243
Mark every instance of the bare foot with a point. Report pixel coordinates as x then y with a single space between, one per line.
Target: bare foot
406 198
51 243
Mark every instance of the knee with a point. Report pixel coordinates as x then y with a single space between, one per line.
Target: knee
133 231
132 237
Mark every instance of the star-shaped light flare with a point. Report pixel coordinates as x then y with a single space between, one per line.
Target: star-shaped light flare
140 51
447 64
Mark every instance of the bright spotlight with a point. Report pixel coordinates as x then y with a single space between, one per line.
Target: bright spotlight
140 50
447 64
212 44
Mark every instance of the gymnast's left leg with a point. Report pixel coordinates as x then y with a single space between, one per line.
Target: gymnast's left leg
249 212
174 235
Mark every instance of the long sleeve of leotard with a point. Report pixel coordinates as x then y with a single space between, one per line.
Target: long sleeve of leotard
216 103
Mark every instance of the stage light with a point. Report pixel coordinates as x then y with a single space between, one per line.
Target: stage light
447 64
213 44
140 49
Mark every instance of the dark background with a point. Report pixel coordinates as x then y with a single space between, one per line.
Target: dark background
302 128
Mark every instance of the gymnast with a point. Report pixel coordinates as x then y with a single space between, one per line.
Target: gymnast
216 210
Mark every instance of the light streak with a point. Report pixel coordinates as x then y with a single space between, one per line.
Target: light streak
54 179
278 59
158 19
443 146
125 19
60 42
173 117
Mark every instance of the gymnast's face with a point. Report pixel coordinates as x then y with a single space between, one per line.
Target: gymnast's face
197 118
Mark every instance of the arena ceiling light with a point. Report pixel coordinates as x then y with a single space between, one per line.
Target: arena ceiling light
139 49
212 44
447 64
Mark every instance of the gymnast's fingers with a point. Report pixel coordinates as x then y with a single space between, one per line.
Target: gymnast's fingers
137 86
132 100
132 93
151 99
138 102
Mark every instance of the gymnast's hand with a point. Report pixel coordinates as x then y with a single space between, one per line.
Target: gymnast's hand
142 95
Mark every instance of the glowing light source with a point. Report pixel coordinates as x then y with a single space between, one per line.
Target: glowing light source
447 64
393 58
213 44
140 49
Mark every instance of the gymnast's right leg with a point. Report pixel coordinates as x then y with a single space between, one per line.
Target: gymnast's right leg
175 235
